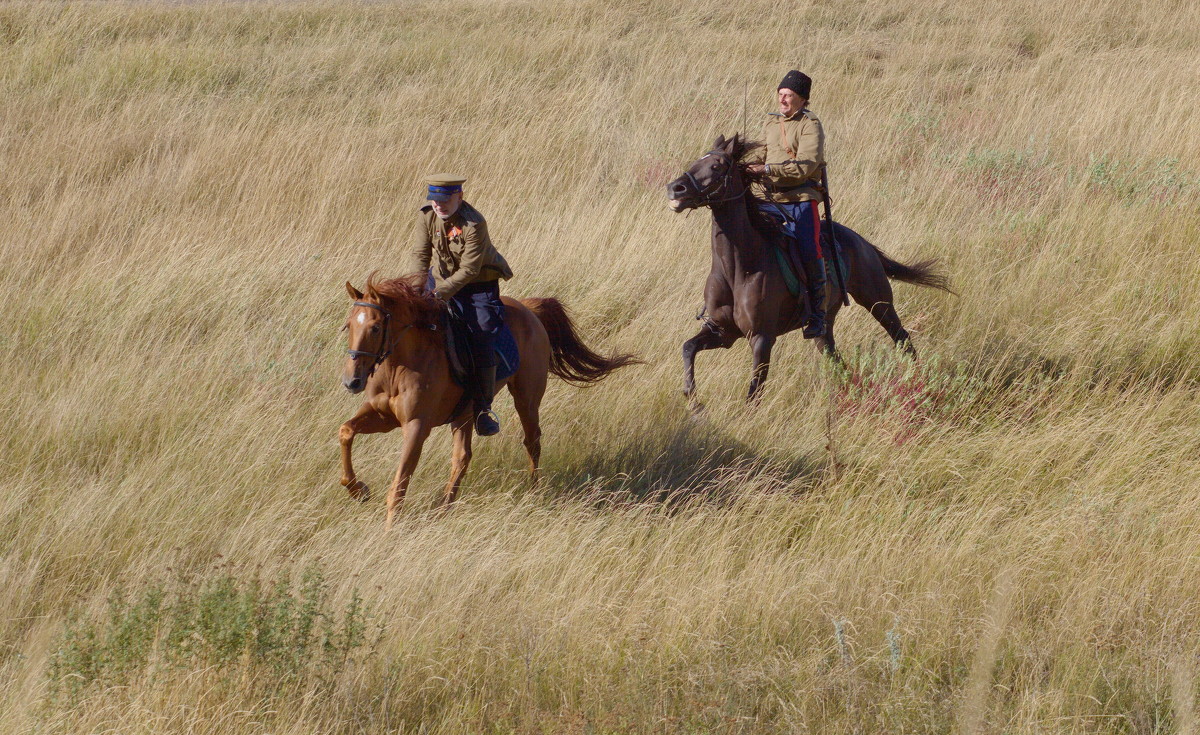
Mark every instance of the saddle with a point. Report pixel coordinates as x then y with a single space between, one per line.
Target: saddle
462 363
788 255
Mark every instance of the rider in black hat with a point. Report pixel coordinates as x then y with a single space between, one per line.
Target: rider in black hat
792 169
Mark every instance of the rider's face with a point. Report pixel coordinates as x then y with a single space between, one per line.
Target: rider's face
790 103
448 207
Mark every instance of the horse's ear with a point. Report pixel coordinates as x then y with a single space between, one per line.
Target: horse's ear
354 292
733 142
719 142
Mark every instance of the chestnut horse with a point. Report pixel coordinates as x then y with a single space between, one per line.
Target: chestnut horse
398 357
746 294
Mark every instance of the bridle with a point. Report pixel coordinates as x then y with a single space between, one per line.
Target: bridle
384 348
708 197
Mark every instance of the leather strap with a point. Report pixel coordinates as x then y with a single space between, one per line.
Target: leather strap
783 139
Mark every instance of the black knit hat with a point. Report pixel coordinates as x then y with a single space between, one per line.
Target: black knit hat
796 81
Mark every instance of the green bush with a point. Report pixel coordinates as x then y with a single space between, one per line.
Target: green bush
274 634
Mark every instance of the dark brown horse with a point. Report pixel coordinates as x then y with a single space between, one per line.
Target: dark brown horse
746 294
398 357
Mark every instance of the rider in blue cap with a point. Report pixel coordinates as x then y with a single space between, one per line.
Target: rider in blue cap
453 246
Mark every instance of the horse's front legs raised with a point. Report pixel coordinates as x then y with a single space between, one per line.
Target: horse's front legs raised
460 459
760 346
415 433
706 339
366 421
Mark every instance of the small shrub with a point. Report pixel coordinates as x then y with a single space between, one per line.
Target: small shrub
1002 176
1158 182
273 634
906 393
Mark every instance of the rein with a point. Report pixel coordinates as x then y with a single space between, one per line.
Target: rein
383 342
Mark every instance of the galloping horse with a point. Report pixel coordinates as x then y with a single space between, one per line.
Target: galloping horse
746 294
398 356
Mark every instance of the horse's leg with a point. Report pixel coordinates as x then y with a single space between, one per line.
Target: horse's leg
885 313
705 339
825 343
874 293
415 433
760 346
460 459
527 397
366 421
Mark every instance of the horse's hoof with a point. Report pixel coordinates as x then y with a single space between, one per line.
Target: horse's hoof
359 491
696 407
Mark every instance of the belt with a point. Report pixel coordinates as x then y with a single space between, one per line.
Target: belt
488 286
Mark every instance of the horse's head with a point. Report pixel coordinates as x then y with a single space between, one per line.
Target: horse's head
368 332
712 179
377 321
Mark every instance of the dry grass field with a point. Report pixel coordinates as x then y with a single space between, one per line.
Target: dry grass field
1002 538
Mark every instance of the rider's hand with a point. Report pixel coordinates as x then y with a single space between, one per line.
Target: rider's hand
756 168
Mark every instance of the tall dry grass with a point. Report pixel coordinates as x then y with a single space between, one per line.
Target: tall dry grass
1000 539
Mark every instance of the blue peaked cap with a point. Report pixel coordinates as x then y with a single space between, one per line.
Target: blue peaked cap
443 186
442 193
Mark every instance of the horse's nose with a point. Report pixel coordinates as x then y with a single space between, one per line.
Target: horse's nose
354 385
677 189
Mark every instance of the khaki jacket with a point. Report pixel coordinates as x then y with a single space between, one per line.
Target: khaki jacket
795 152
458 248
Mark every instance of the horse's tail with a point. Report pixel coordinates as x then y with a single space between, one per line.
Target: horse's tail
570 358
921 273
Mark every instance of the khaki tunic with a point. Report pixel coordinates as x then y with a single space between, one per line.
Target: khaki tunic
458 248
794 174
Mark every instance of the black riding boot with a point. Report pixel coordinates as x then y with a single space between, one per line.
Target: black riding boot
486 423
814 271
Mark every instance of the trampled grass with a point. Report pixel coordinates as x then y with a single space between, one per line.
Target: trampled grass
1000 538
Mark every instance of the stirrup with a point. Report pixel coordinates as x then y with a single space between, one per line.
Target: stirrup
814 328
487 423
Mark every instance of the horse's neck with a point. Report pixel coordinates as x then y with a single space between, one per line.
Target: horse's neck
735 240
417 352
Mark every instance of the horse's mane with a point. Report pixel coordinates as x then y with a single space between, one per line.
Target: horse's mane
742 155
406 292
